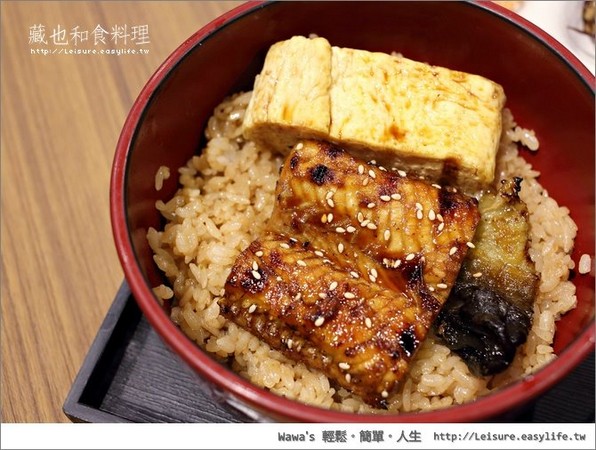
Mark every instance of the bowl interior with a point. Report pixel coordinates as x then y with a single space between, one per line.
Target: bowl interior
543 91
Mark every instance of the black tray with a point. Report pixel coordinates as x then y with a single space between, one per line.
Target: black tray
130 375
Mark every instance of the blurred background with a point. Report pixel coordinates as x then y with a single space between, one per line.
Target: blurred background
61 118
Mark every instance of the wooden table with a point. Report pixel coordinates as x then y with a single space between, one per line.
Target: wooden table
61 117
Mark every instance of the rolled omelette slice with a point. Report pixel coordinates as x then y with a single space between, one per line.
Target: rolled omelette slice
444 124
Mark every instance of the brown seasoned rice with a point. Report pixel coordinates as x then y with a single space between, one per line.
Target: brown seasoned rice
585 264
225 198
163 173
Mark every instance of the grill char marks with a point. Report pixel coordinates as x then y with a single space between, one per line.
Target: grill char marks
321 174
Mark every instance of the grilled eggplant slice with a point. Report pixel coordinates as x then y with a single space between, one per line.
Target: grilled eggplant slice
489 312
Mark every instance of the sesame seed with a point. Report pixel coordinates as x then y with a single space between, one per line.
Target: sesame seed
330 202
252 308
432 289
284 245
385 198
371 226
322 295
360 169
364 223
360 217
371 173
278 278
396 196
371 205
374 272
340 247
440 217
344 366
348 377
365 182
301 263
354 274
477 275
441 226
259 253
324 218
452 251
349 295
432 215
368 322
397 263
329 217
299 146
329 194
470 244
320 321
326 261
384 394
333 285
442 286
402 173
255 266
372 161
418 205
294 240
419 214
372 278
256 274
298 296
410 257
289 343
382 168
319 253
340 230
387 235
438 186
350 229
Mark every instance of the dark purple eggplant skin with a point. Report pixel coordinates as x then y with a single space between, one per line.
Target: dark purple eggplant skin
488 314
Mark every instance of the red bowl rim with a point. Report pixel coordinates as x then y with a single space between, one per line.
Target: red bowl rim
266 402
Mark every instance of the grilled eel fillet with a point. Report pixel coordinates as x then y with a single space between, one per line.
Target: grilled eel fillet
489 312
343 285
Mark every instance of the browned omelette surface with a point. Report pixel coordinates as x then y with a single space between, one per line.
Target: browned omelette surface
354 268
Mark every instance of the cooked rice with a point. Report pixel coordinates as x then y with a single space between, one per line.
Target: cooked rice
226 196
163 173
585 264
